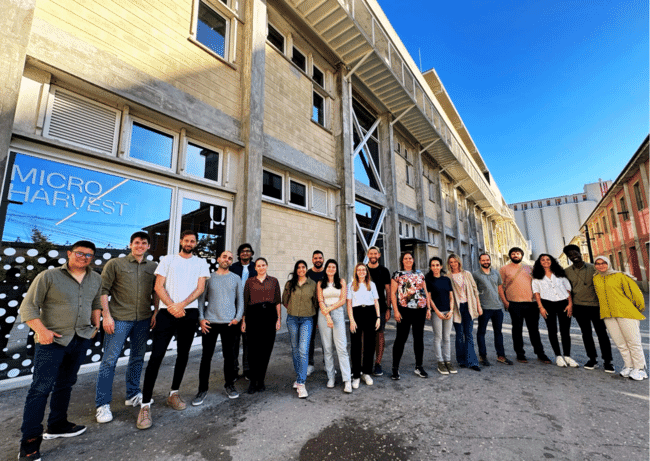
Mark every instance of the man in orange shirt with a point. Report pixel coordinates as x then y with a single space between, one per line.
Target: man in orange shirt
517 296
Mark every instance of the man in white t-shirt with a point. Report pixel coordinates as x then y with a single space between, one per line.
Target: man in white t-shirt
180 280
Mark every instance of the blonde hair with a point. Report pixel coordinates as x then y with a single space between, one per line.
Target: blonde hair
460 262
355 278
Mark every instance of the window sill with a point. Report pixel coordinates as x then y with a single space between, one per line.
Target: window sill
212 53
327 130
272 201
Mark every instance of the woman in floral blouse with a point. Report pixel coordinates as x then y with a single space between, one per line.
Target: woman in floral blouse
409 298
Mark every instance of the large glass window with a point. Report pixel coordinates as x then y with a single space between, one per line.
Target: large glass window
366 162
211 29
369 220
202 162
209 220
151 146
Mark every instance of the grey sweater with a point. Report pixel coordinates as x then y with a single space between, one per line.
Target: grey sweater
225 299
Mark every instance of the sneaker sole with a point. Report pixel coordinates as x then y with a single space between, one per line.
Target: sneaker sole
104 421
421 375
47 436
443 372
196 404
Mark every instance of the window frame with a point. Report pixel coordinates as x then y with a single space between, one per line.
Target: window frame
315 67
283 177
323 111
175 144
221 8
305 184
189 140
284 37
612 216
311 203
638 196
294 48
624 211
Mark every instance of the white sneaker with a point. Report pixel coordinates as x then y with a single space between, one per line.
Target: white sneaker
310 370
348 387
625 372
569 361
355 383
638 375
302 391
367 379
559 361
104 414
135 401
330 383
295 384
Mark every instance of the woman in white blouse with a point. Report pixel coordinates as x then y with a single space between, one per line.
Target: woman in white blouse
363 312
552 292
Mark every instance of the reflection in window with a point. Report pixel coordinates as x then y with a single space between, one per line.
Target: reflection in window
210 222
298 194
202 162
272 185
211 30
318 109
151 146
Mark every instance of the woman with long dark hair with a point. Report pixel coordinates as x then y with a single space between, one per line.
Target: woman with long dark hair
260 322
299 298
441 298
552 292
409 298
621 304
332 296
363 312
467 307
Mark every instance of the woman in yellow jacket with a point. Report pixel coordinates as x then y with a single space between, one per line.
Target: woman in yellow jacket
621 304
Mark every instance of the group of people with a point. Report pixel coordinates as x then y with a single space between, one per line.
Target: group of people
240 302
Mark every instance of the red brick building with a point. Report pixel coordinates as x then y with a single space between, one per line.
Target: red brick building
618 226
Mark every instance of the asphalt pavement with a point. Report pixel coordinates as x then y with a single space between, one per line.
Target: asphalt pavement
527 411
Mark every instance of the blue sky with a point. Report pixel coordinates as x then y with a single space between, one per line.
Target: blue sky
554 93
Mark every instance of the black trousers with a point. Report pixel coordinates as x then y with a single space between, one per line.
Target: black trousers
554 314
366 318
586 316
167 326
529 312
240 337
209 342
260 328
411 319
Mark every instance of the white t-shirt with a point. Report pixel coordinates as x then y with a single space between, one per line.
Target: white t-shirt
363 297
552 289
181 277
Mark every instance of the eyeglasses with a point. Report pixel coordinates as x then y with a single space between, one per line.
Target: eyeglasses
79 254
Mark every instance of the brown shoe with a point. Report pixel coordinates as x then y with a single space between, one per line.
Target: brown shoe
144 418
176 402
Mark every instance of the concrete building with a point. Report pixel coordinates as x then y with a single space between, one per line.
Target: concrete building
618 226
292 125
549 224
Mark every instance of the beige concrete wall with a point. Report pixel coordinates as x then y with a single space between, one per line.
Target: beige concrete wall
152 37
288 109
405 193
289 235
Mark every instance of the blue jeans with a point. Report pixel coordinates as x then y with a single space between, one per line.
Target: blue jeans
55 372
465 353
138 333
496 315
300 329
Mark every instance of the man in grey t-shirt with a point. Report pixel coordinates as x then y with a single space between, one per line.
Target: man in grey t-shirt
488 282
221 315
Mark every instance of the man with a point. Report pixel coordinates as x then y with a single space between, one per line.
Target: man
225 296
180 280
586 308
516 293
245 269
316 273
381 276
130 283
488 283
63 308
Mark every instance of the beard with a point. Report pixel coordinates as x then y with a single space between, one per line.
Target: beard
187 249
318 264
515 260
486 265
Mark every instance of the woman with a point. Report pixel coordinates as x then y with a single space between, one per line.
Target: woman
621 304
552 292
260 321
299 298
332 295
467 307
409 296
363 312
440 298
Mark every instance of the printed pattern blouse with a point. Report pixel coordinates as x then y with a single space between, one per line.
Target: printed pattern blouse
410 289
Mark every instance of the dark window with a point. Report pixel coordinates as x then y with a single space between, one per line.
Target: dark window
621 263
151 145
211 30
612 215
318 109
624 212
298 194
272 185
299 59
638 196
276 38
605 225
318 77
202 162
